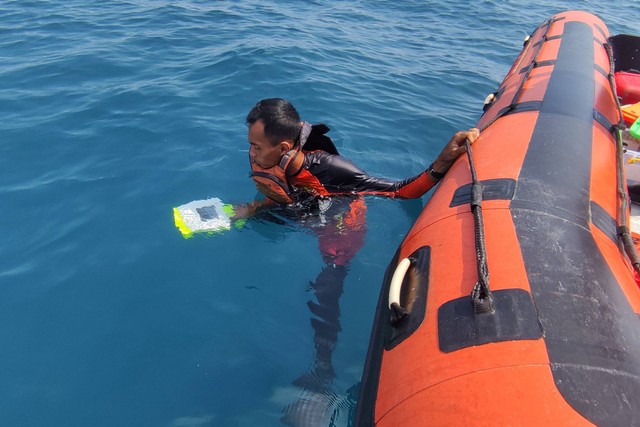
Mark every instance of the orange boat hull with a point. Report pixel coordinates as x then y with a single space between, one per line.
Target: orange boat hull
563 345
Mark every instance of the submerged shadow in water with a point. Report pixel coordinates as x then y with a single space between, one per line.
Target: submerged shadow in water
339 223
340 226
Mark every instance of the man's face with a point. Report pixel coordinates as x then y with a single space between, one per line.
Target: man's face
261 151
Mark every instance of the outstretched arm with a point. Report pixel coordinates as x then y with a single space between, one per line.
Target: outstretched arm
338 175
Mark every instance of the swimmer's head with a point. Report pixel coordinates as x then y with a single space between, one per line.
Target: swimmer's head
280 118
274 127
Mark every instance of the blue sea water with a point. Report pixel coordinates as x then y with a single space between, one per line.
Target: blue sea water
115 112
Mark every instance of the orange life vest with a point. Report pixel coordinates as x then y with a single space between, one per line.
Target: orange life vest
274 181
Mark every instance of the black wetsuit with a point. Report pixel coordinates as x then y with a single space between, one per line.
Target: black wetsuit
325 174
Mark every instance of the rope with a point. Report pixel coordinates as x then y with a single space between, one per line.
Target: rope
622 231
481 296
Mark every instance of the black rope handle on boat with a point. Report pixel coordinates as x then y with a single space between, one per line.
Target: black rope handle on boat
481 296
622 230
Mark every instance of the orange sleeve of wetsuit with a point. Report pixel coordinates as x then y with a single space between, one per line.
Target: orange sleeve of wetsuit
416 187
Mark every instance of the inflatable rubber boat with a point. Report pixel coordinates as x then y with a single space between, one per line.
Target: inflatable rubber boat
512 300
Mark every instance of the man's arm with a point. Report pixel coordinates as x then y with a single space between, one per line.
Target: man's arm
339 175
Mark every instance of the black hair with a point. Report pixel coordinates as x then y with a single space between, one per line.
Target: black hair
280 118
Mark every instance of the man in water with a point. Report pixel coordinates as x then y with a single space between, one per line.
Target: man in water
298 168
293 162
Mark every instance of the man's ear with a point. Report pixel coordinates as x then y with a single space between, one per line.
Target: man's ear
285 147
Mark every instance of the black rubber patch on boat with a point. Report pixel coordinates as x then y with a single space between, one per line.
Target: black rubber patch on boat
546 63
605 222
521 107
545 39
492 189
515 318
604 122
